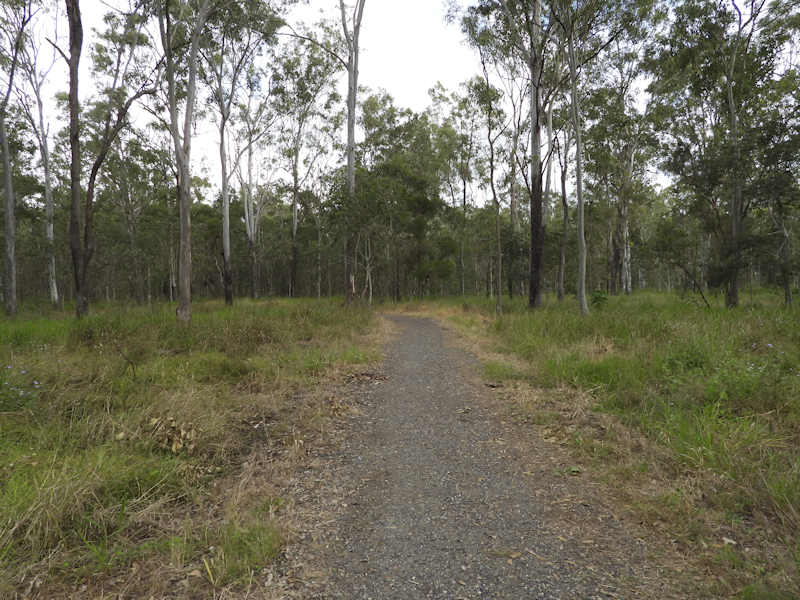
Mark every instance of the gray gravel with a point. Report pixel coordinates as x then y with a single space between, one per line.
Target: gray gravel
437 506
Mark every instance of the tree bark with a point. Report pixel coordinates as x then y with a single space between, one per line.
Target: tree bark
227 269
10 222
182 142
352 39
76 248
562 263
44 148
576 124
537 237
295 201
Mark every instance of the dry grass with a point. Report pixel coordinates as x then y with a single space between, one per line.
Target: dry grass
169 479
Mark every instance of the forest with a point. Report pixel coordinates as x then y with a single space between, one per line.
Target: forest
656 149
231 260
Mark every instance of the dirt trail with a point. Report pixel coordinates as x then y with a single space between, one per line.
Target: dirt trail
438 499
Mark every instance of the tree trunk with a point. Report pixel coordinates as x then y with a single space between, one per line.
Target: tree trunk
549 167
537 237
182 142
10 223
576 124
227 270
76 247
294 256
253 251
562 264
463 235
352 39
735 205
319 255
184 310
44 148
627 278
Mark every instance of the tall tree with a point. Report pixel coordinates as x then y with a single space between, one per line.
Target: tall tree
14 19
351 27
36 72
713 68
530 35
233 41
118 62
490 97
304 93
182 23
256 118
588 26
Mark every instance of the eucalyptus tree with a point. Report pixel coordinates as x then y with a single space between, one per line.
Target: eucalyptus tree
15 17
488 98
351 28
181 25
304 95
619 143
527 29
120 63
713 68
232 43
463 119
587 27
256 117
35 65
496 46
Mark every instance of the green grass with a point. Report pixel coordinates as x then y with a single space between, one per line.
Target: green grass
718 388
114 428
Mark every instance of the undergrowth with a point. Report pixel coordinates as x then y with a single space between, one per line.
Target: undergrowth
116 432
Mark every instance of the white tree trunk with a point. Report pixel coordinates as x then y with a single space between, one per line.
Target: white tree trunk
10 223
576 125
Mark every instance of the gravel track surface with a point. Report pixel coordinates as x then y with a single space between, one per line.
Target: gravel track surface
439 501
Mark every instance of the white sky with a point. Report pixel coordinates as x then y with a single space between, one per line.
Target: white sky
406 47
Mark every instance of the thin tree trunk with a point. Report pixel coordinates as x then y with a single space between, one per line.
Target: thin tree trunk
562 264
76 248
10 223
182 142
227 269
319 258
576 123
295 201
352 39
44 149
463 234
627 277
735 203
549 167
537 237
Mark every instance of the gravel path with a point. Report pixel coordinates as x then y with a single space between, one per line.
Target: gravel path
441 504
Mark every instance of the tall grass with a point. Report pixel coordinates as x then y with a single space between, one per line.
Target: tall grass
718 388
112 423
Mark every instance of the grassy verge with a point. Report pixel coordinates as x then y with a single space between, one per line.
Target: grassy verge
692 415
130 443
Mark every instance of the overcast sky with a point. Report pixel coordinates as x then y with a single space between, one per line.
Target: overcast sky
406 47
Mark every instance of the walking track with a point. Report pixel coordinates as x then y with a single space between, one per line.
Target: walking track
441 503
